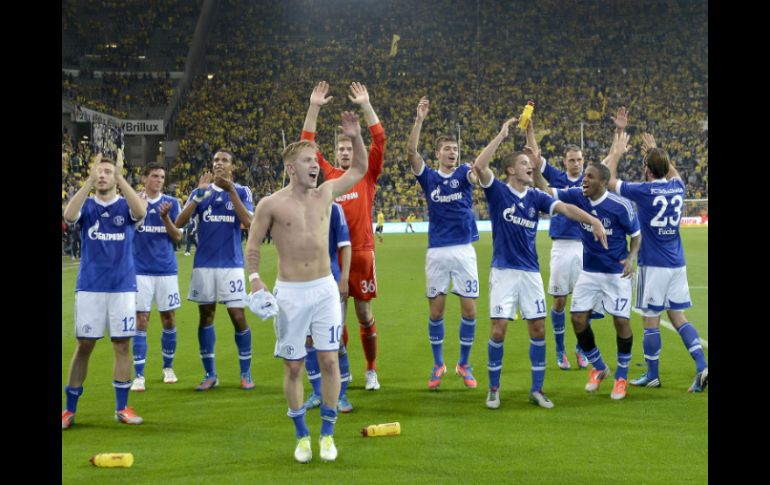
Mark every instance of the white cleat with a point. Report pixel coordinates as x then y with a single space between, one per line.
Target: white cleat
303 453
168 376
540 399
138 385
372 384
493 399
328 450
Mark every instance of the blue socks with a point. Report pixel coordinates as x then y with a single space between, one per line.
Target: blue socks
121 393
344 370
436 334
168 346
298 417
537 358
557 318
467 334
140 352
313 370
495 362
328 418
651 343
72 393
206 339
692 343
243 342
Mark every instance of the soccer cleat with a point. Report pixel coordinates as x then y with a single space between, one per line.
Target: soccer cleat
207 383
128 416
372 384
246 383
313 401
537 397
493 398
303 453
465 372
67 419
435 376
645 381
168 375
186 253
582 362
328 450
700 382
595 377
562 362
138 385
343 404
619 389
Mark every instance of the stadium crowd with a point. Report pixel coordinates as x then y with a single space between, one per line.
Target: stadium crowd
478 69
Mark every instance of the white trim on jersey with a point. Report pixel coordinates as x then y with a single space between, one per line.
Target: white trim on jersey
601 199
617 186
105 204
543 163
152 201
491 181
422 169
625 203
342 244
550 209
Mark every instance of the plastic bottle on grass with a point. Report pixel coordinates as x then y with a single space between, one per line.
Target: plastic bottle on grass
110 460
387 429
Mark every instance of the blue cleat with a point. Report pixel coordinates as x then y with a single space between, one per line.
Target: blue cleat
645 381
562 362
209 381
246 383
313 401
343 404
700 382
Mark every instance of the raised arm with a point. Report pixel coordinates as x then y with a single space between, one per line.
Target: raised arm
481 165
360 163
621 120
537 176
414 136
76 203
257 232
136 204
198 195
360 96
317 99
577 214
617 150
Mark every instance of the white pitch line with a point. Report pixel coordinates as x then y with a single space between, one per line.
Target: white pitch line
668 325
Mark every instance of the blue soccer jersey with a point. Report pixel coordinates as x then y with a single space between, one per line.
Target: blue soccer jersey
561 226
514 219
339 236
106 234
619 220
219 229
660 205
153 248
450 202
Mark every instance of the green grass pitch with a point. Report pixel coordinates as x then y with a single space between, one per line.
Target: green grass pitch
232 436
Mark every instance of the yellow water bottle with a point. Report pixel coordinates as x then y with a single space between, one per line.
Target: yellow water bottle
387 429
526 115
111 460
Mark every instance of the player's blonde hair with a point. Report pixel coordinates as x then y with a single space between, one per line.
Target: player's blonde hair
292 150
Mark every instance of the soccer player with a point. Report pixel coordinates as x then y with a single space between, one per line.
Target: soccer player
411 218
450 257
217 274
156 273
305 292
566 250
605 280
357 204
106 283
662 274
514 280
380 224
192 235
339 240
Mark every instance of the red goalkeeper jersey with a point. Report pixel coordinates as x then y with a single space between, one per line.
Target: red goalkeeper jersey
359 201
